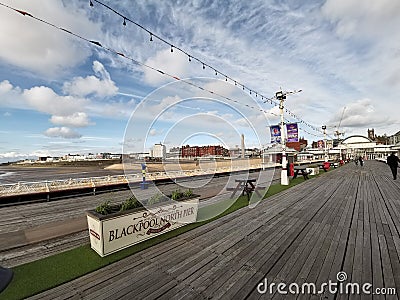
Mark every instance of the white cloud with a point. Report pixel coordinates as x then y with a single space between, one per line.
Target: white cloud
5 87
360 113
12 154
7 114
79 119
155 132
163 106
218 87
44 99
62 132
101 86
33 46
368 32
174 63
356 18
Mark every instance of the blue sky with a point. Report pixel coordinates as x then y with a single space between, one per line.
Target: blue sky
59 94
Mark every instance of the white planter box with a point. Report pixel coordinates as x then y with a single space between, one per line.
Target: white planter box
312 171
114 232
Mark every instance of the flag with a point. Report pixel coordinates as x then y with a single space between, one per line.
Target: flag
275 133
292 132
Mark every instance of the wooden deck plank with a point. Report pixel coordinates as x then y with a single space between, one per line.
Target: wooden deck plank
345 220
377 276
388 279
342 201
219 269
296 260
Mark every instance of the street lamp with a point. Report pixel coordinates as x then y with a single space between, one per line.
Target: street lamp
325 152
280 96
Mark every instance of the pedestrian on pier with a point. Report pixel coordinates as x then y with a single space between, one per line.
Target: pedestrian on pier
356 161
393 162
360 159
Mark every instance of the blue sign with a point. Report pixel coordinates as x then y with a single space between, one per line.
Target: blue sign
275 134
292 132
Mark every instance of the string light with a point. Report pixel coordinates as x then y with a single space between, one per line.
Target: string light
172 48
166 42
269 100
124 22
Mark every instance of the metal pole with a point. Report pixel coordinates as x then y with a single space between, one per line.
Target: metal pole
263 158
325 150
284 176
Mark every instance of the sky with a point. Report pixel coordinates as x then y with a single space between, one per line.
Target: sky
60 94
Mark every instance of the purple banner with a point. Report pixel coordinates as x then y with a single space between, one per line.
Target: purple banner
275 134
292 132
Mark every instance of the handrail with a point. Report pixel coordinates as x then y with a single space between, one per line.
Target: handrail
24 188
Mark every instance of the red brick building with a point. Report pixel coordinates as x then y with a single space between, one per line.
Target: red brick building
298 146
197 151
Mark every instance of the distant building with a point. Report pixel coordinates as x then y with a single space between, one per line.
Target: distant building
235 151
273 154
298 146
358 145
371 134
394 139
174 153
202 151
384 139
159 151
44 158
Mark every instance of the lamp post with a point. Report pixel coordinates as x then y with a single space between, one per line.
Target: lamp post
325 152
280 96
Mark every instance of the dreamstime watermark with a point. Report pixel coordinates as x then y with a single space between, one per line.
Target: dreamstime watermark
330 287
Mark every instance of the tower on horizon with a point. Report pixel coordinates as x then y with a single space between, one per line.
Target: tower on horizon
371 134
243 149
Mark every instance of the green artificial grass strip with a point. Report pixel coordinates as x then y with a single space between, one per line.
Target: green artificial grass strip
38 276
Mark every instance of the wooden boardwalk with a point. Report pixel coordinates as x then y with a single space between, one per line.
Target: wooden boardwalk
347 220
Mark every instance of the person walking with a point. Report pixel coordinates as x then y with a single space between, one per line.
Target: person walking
360 159
393 162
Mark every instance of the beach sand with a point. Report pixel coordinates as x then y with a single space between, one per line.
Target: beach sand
188 165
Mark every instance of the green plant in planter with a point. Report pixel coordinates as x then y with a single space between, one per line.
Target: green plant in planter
188 193
157 198
130 203
104 208
176 195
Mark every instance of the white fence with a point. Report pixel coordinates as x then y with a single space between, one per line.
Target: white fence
47 187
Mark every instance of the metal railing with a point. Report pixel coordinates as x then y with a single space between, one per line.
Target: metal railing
47 187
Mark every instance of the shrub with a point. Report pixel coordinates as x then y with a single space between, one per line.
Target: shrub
130 203
104 208
157 198
176 195
188 193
